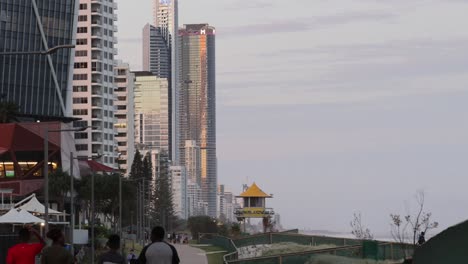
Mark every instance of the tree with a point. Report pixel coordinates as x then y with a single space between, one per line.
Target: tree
136 171
8 112
419 221
59 186
202 224
358 229
163 200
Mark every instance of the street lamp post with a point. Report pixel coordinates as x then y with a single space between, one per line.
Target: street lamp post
46 170
43 52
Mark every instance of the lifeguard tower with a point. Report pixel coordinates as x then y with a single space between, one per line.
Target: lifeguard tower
254 206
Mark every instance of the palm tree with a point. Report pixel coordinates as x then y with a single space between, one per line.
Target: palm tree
59 186
8 112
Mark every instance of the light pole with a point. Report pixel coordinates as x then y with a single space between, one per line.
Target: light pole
46 169
43 52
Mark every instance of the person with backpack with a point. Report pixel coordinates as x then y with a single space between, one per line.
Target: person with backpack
159 251
131 257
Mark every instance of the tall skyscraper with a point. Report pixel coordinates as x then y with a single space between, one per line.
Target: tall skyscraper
93 85
197 100
179 190
151 112
125 114
156 52
165 15
38 84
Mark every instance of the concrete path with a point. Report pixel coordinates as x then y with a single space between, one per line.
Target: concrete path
191 255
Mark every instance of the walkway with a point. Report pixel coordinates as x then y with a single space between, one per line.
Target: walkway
191 255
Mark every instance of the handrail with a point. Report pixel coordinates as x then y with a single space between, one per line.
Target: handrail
316 251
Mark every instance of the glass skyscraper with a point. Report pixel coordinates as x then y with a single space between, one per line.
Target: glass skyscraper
151 111
39 84
197 103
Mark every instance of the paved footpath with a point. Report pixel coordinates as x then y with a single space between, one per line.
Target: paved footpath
191 255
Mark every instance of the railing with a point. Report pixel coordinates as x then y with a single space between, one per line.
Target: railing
345 247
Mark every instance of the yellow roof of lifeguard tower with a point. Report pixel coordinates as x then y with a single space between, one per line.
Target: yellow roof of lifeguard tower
254 191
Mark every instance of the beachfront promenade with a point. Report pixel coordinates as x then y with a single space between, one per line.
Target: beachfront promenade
191 255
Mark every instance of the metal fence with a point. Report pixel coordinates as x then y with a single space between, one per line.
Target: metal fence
344 247
6 241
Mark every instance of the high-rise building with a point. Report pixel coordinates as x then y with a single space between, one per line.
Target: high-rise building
192 161
93 80
197 101
165 15
125 114
151 111
38 84
156 52
178 182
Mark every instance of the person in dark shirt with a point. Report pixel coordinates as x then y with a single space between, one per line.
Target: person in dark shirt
112 256
56 254
25 252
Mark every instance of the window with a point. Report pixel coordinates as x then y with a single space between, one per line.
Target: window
81 147
80 100
81 65
81 53
81 135
82 18
82 42
79 112
106 102
82 30
80 77
83 6
80 123
80 88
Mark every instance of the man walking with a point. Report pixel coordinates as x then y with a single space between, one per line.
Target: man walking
158 252
25 252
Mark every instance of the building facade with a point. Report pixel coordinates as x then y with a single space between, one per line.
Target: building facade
38 84
93 80
156 52
151 112
125 114
165 15
197 103
178 182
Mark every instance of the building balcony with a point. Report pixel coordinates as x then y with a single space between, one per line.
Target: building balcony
115 6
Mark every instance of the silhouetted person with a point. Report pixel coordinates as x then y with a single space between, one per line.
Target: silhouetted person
422 238
25 252
112 256
158 252
56 254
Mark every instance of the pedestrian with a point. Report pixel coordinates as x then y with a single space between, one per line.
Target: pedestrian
56 254
422 238
112 256
174 238
131 257
25 252
159 251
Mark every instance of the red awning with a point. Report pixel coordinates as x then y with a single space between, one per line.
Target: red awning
3 150
98 167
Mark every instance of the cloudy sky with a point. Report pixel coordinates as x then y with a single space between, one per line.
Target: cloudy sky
336 106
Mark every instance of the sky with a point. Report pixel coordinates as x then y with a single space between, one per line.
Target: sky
336 106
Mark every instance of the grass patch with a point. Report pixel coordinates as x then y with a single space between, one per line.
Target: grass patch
328 259
288 247
215 258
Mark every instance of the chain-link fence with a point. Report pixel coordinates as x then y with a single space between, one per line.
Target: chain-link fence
6 241
343 247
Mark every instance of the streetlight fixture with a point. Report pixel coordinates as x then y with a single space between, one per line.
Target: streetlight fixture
46 171
43 52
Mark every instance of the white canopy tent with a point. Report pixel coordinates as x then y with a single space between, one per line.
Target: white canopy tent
21 217
34 206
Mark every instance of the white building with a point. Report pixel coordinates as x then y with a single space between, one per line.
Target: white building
178 182
125 114
192 161
93 80
195 205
